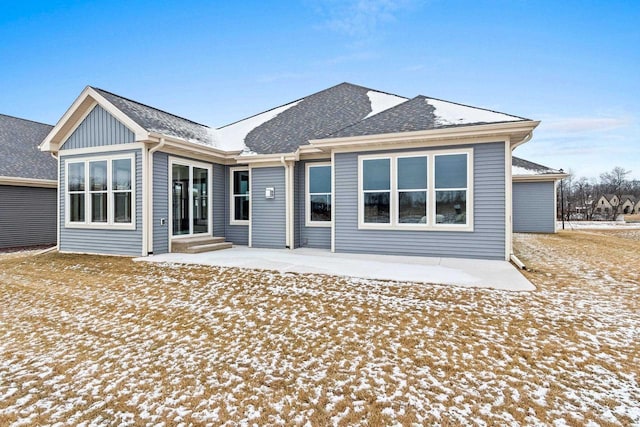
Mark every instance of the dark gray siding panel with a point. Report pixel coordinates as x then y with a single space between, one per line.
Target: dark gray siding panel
236 234
533 207
160 203
117 242
311 237
268 215
486 241
27 216
97 129
219 200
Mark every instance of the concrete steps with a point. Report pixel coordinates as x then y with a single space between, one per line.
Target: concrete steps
199 244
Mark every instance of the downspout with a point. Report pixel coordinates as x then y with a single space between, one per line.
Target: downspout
287 197
149 199
55 156
513 256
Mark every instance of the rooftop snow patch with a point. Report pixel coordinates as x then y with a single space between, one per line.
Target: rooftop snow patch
231 137
381 101
525 167
450 113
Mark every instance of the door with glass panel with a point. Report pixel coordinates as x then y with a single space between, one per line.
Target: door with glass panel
190 208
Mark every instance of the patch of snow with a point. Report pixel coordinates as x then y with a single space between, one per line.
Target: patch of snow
231 137
382 101
449 113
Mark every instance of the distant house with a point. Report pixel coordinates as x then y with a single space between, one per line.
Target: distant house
606 203
28 185
534 196
636 208
628 204
347 169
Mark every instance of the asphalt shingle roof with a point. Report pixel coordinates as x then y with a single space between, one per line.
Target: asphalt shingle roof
525 167
155 120
19 153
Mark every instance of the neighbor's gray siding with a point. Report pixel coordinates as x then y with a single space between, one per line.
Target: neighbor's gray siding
27 216
533 207
312 237
236 234
486 241
160 203
97 129
268 215
119 242
219 200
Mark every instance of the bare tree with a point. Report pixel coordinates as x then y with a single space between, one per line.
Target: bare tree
615 182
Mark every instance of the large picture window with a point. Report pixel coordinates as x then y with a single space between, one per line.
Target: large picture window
240 196
416 191
100 192
318 200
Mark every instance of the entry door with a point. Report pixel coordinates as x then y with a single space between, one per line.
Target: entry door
190 199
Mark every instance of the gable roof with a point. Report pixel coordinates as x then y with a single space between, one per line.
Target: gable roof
525 167
19 154
424 113
154 120
285 128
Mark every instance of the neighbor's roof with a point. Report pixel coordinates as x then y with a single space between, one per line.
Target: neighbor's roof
155 120
525 167
424 113
19 153
285 128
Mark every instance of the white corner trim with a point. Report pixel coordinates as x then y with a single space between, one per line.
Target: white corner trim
508 201
333 201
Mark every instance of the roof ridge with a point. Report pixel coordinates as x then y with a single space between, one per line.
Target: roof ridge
149 106
26 120
470 106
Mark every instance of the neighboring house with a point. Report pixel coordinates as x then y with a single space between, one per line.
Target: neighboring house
347 169
534 196
636 208
628 204
28 185
606 203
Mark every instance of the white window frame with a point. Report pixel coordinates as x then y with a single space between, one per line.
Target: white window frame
110 224
430 224
232 196
307 199
191 164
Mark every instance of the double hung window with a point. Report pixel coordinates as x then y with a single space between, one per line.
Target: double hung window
318 200
240 196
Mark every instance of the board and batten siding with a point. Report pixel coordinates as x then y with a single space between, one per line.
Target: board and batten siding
486 241
27 216
534 207
310 237
160 203
268 215
99 128
102 241
236 234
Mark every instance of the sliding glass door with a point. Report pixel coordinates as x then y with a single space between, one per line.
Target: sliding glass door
190 198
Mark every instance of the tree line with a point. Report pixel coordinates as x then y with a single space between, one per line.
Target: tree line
578 196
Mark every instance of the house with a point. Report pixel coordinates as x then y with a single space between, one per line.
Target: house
534 196
636 208
28 182
606 204
628 204
347 169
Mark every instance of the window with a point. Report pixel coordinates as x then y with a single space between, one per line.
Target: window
240 196
318 201
416 191
100 192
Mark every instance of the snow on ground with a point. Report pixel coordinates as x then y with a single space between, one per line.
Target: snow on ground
381 101
102 340
450 113
602 225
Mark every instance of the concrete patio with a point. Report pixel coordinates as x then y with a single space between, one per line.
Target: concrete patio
445 271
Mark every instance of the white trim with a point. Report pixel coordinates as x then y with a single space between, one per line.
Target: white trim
232 205
110 224
190 164
145 197
539 178
103 149
508 202
333 201
430 224
307 197
250 231
28 182
555 206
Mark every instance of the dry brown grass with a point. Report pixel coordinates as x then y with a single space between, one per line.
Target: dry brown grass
106 340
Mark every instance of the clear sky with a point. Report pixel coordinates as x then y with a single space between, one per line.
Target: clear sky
574 65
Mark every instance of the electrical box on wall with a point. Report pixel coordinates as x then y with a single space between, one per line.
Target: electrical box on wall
269 193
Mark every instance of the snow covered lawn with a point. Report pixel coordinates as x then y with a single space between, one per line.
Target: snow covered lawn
103 340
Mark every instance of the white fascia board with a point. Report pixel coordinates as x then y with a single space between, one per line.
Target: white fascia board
258 159
28 182
539 178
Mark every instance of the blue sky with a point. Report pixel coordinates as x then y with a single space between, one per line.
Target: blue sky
575 65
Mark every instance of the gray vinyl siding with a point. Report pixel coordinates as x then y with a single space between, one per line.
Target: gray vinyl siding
268 215
219 200
236 234
486 241
311 237
27 216
160 203
533 207
87 240
99 128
